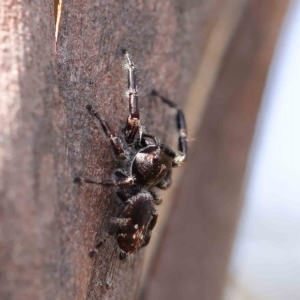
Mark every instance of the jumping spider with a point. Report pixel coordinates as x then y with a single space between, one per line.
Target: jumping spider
146 164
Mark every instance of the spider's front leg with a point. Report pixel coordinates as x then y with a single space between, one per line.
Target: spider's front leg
133 125
114 140
181 127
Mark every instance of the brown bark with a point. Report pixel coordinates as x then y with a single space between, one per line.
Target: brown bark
48 225
193 262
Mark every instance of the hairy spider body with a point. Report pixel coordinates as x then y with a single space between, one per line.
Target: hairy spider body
139 216
151 165
146 165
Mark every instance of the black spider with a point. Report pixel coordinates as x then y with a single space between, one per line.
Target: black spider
146 164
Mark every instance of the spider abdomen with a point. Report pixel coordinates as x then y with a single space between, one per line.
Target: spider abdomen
139 213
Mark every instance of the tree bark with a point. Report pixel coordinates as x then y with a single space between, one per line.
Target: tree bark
48 224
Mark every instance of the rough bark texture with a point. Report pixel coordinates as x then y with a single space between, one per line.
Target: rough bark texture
193 262
48 224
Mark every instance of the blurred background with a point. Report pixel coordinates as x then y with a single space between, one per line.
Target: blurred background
241 197
265 262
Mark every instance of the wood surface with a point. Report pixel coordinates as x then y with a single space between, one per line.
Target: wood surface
48 224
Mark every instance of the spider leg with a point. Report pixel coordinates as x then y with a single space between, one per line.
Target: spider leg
148 135
166 182
133 121
99 244
120 173
114 140
122 255
146 239
181 127
156 198
108 182
150 228
153 221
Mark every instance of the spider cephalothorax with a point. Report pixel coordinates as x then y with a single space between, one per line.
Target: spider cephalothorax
146 164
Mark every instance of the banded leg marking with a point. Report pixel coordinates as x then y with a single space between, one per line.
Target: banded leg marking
181 127
114 140
133 125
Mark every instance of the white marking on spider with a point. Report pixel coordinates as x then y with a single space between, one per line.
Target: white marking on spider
179 159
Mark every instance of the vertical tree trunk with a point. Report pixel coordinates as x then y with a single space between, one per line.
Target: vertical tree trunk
48 225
